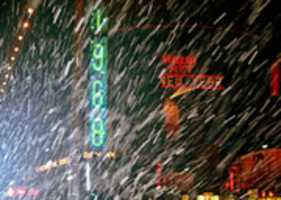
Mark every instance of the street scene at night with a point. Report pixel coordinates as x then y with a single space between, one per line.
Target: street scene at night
140 100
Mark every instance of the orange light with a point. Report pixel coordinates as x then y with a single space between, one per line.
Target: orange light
25 25
64 161
185 197
87 155
20 37
271 194
30 11
13 58
16 49
111 155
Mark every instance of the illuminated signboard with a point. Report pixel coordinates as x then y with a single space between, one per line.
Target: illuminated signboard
98 95
22 192
255 194
180 75
66 161
208 196
180 78
275 78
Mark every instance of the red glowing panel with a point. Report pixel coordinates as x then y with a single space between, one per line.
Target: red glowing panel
275 79
33 192
180 60
11 192
172 117
158 173
178 75
192 81
22 191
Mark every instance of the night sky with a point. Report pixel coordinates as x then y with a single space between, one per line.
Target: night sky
230 38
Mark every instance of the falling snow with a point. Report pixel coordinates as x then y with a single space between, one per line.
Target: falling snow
44 107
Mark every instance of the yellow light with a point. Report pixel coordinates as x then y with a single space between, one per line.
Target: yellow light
215 197
9 67
13 58
25 25
20 37
87 155
182 90
200 197
16 49
185 197
30 11
111 155
7 76
64 161
53 164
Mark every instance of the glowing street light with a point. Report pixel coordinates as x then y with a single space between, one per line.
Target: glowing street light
9 67
16 49
30 11
25 25
20 37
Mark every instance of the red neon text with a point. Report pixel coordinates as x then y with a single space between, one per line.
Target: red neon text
22 191
275 79
179 60
193 81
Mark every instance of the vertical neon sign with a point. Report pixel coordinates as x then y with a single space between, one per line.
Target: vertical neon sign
159 174
98 95
275 78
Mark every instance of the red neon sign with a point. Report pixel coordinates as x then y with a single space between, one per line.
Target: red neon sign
158 174
235 185
275 78
179 74
180 63
22 192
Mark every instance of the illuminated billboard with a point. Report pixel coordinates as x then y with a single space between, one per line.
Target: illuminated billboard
15 192
98 95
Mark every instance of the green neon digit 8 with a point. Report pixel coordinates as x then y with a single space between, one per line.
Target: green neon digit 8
98 132
98 54
97 95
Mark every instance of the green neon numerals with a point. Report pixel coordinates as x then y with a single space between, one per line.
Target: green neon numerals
98 117
98 94
98 135
98 55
